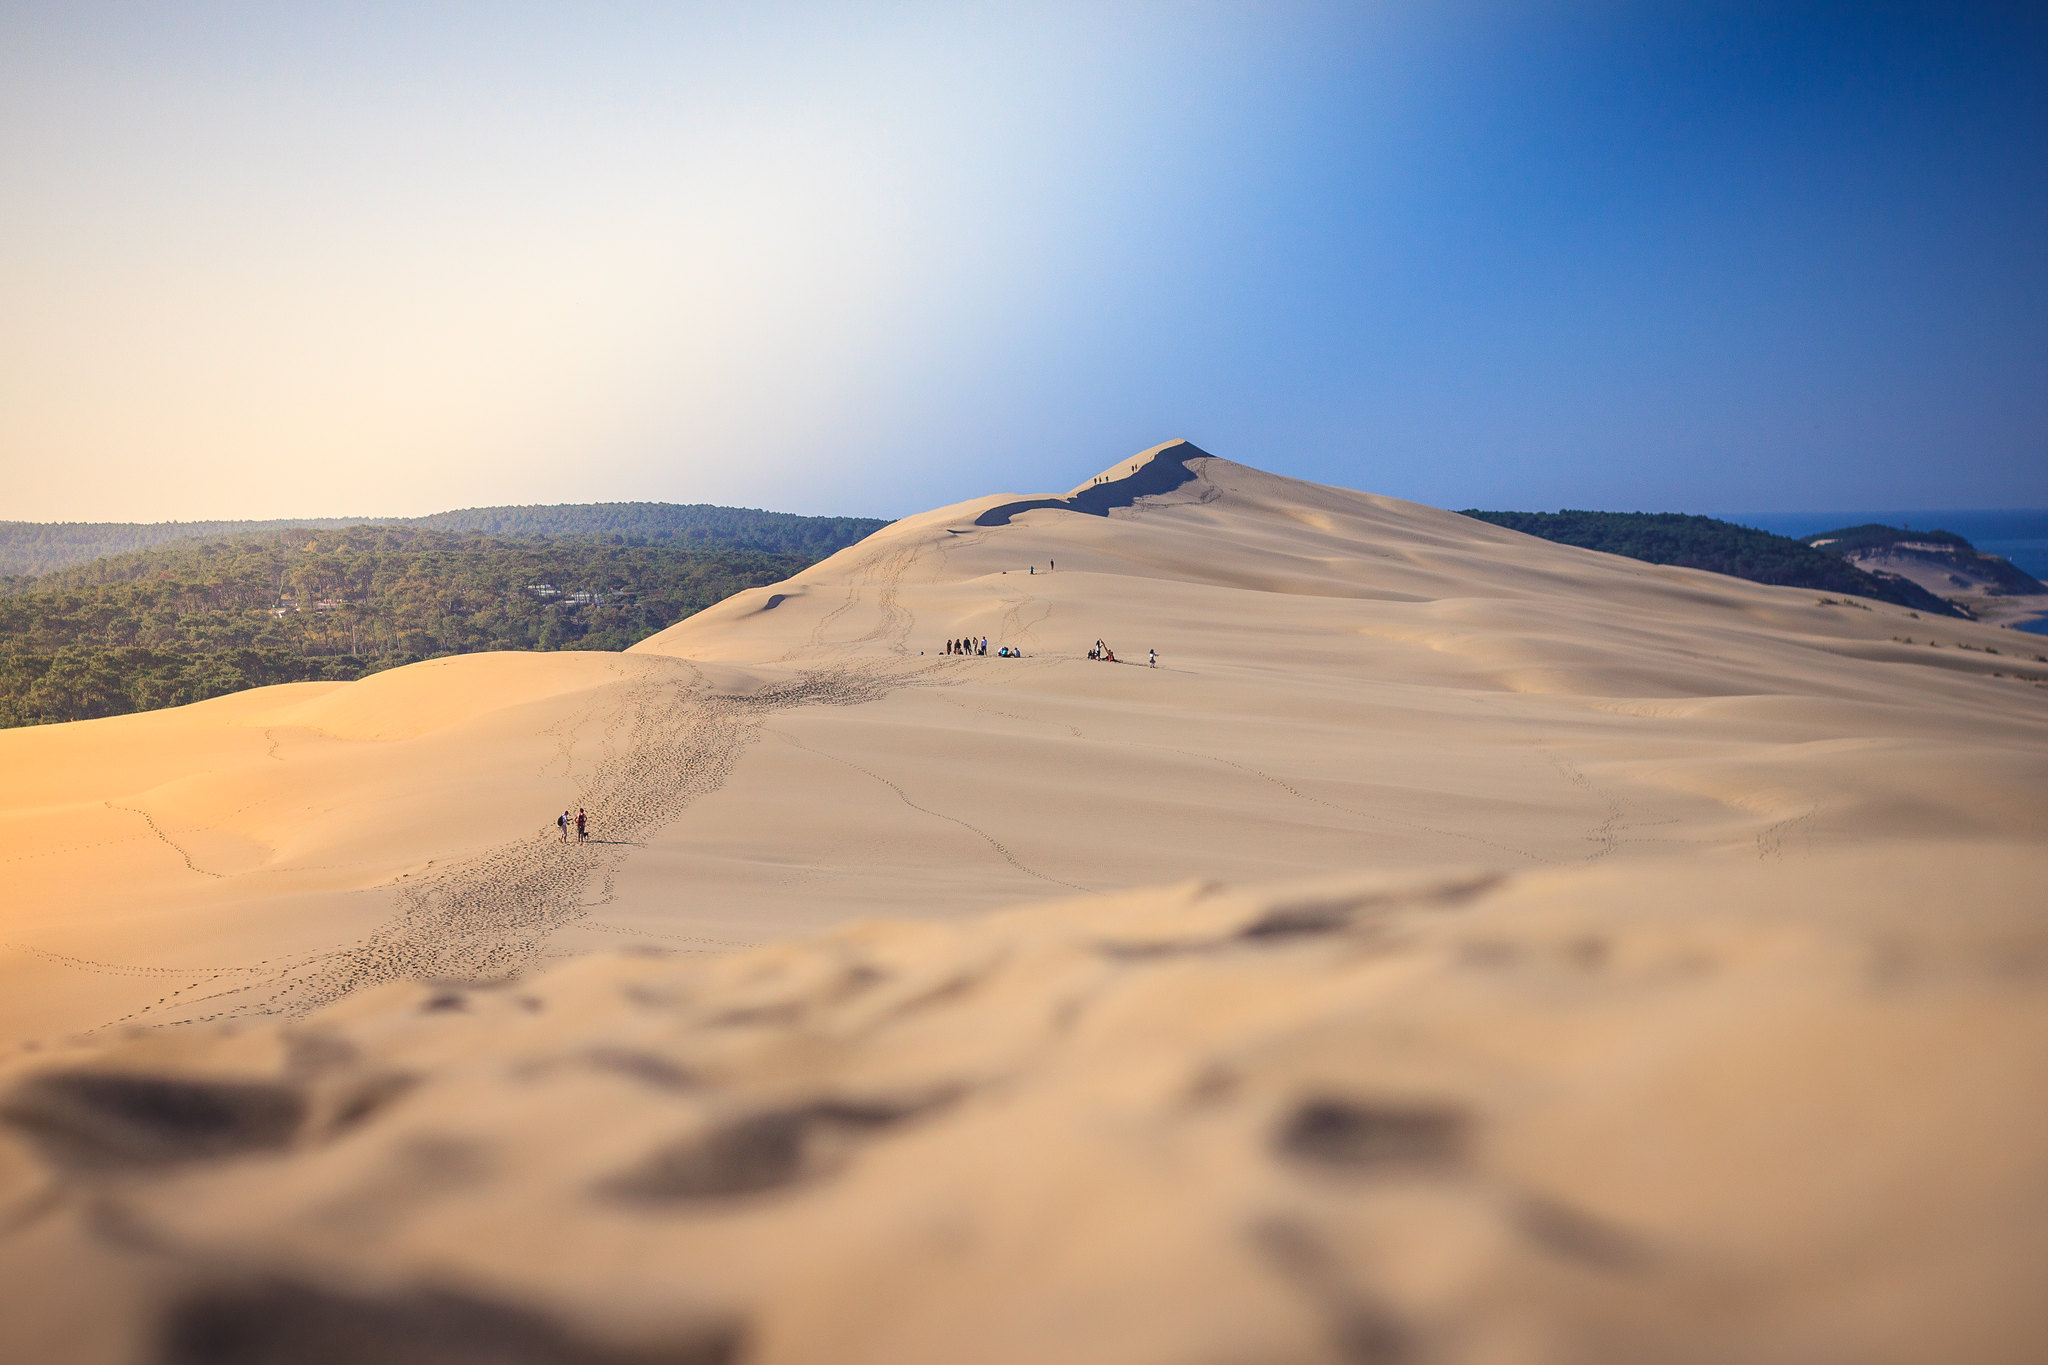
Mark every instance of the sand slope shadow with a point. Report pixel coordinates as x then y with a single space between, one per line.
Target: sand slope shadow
1162 473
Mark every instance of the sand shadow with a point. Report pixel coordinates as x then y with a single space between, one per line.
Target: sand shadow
1162 473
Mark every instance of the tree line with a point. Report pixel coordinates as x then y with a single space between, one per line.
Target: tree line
198 618
1694 542
30 547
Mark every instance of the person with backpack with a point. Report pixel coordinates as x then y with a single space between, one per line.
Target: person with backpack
582 829
562 824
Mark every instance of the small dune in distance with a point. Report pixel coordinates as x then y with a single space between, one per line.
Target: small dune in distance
1201 916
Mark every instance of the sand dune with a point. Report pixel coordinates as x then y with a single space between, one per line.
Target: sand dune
1667 982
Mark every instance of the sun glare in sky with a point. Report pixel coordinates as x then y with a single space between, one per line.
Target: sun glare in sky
274 260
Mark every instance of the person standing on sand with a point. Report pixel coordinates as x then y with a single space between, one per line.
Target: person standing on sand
984 644
562 824
582 830
1155 658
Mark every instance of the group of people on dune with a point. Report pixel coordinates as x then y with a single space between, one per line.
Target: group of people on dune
1107 655
980 647
579 820
971 646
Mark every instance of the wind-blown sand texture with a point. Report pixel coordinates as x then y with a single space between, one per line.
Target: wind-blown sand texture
1625 963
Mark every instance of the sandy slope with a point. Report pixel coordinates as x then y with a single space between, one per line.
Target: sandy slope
1739 1062
1980 594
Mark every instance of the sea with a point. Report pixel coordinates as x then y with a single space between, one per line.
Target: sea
2020 536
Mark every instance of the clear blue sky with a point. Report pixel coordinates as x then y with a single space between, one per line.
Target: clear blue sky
266 260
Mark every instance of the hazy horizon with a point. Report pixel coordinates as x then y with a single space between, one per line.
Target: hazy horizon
1913 518
260 260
